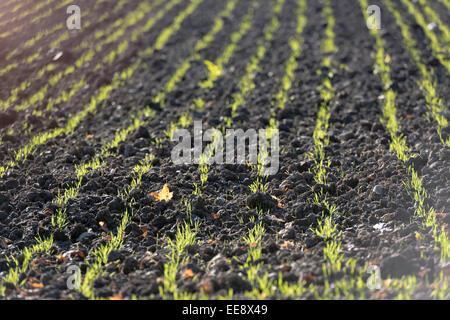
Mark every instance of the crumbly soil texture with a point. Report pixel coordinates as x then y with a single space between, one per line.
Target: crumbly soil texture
126 237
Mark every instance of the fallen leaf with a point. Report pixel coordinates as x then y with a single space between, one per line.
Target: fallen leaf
215 216
188 274
273 218
80 254
118 296
285 267
89 136
61 258
163 194
48 211
279 202
381 294
286 244
36 285
101 223
387 59
423 273
207 287
387 282
160 280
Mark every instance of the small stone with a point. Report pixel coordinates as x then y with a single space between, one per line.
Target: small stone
129 265
378 189
432 26
261 200
77 230
114 255
129 151
85 235
60 235
115 205
159 222
11 184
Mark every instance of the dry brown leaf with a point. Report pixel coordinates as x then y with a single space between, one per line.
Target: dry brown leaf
279 202
89 136
188 274
286 244
36 285
207 286
215 216
61 258
118 296
163 194
381 294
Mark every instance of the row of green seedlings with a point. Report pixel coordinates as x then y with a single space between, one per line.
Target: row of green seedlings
14 274
99 257
204 169
59 219
246 85
433 16
25 13
435 104
186 119
215 70
65 95
355 286
34 20
87 22
13 9
326 229
446 3
103 93
351 286
262 286
195 56
247 82
440 50
281 97
399 147
184 234
40 35
125 23
402 151
39 96
184 231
